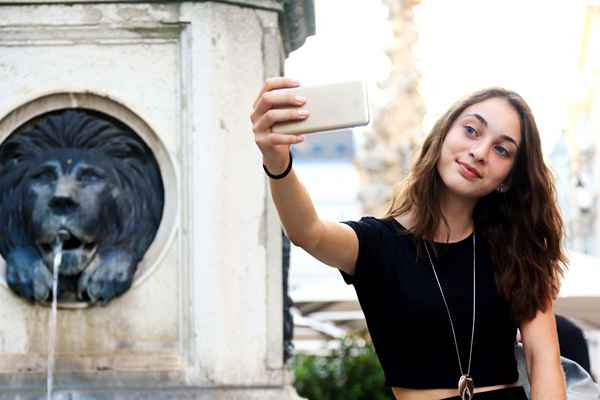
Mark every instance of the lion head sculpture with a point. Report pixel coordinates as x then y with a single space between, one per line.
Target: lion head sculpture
84 180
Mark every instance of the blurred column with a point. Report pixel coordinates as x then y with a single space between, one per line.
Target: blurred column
594 66
390 144
584 137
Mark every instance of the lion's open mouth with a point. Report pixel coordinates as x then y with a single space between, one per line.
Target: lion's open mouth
72 243
76 254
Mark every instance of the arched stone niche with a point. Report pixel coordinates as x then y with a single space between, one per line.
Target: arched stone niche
116 110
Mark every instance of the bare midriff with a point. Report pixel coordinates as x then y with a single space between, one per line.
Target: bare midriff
437 394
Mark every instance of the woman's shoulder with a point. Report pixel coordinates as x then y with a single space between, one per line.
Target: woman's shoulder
385 226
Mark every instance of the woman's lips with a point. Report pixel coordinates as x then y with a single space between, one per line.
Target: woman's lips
467 173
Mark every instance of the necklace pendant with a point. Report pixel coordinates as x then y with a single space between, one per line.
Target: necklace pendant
466 388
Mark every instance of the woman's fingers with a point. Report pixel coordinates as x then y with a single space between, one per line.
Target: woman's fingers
272 106
269 118
279 82
273 100
276 139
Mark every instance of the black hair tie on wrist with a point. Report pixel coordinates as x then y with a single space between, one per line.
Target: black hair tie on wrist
281 175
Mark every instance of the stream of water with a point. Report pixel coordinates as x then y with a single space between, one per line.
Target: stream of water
57 252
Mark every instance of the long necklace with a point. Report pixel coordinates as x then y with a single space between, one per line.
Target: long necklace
465 383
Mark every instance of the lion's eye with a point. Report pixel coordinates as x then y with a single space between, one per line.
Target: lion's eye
45 175
90 176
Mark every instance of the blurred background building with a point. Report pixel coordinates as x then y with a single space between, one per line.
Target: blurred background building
582 140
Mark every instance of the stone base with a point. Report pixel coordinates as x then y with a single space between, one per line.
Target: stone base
237 393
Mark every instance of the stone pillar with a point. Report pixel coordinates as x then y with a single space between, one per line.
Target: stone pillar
204 317
397 128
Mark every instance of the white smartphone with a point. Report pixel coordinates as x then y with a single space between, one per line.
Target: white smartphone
331 107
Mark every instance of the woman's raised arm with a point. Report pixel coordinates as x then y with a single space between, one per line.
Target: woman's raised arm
332 242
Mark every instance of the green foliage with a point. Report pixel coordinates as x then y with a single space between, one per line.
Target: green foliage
350 372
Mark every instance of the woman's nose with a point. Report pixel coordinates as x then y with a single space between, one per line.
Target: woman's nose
479 151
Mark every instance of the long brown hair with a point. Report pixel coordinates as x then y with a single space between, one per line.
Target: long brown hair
522 226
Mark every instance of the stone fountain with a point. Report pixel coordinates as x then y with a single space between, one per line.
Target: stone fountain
124 137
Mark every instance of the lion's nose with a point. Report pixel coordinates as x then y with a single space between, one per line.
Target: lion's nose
63 204
63 199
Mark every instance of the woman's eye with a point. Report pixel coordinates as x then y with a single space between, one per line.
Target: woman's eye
502 151
470 130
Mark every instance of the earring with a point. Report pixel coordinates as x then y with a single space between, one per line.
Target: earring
501 188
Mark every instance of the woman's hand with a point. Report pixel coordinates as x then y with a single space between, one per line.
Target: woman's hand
271 106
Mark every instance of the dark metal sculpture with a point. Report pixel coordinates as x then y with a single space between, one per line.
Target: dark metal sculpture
288 303
87 177
296 22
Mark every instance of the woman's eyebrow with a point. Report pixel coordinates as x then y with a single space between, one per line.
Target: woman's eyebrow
485 123
479 117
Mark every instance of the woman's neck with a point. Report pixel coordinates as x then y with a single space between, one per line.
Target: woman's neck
458 212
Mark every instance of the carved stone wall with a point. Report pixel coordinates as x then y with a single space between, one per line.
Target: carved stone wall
207 323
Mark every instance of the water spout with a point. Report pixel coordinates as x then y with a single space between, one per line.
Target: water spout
57 246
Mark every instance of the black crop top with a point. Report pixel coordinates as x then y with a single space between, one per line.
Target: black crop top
406 317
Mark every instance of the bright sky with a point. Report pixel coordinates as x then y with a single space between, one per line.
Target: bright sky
530 46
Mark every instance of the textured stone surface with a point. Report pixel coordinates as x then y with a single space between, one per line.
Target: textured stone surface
298 22
297 17
230 393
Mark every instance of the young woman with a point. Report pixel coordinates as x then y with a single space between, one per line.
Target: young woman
469 251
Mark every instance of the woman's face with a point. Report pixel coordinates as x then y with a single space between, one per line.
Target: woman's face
480 148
